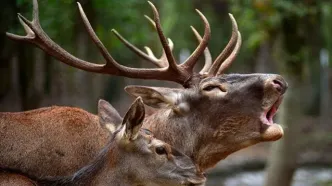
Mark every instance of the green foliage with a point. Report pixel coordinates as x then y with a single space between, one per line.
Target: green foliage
294 21
259 20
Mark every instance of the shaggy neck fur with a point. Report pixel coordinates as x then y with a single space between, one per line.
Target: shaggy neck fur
203 144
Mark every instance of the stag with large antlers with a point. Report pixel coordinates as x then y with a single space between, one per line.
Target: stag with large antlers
214 115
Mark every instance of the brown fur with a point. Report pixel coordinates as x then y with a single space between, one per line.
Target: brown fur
210 125
10 179
50 141
130 158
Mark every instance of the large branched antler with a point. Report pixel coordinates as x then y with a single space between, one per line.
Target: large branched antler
38 37
162 61
168 68
221 63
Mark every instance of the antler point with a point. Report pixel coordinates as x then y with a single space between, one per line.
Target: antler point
199 12
8 34
23 20
151 4
234 23
192 28
79 5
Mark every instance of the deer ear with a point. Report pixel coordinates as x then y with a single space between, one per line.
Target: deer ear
108 116
133 119
156 97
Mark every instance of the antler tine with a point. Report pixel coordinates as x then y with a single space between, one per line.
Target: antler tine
163 59
151 21
169 55
232 56
35 14
107 56
217 62
207 54
145 56
161 62
37 36
30 33
193 58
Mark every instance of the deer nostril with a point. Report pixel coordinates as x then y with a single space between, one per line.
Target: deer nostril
278 85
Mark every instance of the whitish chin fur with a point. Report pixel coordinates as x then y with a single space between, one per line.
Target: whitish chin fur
272 133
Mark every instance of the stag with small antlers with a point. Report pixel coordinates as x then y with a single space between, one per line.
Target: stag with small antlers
133 157
214 115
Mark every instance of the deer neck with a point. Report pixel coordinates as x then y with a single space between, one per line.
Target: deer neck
120 175
99 171
178 131
191 135
111 177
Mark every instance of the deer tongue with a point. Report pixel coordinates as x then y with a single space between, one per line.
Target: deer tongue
272 131
272 111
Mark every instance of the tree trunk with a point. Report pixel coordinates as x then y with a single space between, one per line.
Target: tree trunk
265 62
284 153
7 53
283 156
324 88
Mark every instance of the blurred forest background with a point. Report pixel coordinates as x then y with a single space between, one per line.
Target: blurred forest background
289 37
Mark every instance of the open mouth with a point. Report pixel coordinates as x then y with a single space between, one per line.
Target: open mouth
271 112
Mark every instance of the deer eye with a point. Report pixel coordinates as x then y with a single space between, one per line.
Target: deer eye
213 87
209 88
161 150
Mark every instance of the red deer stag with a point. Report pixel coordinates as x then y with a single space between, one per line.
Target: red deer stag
132 157
214 115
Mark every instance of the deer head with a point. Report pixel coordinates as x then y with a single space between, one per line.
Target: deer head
214 114
220 116
149 160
